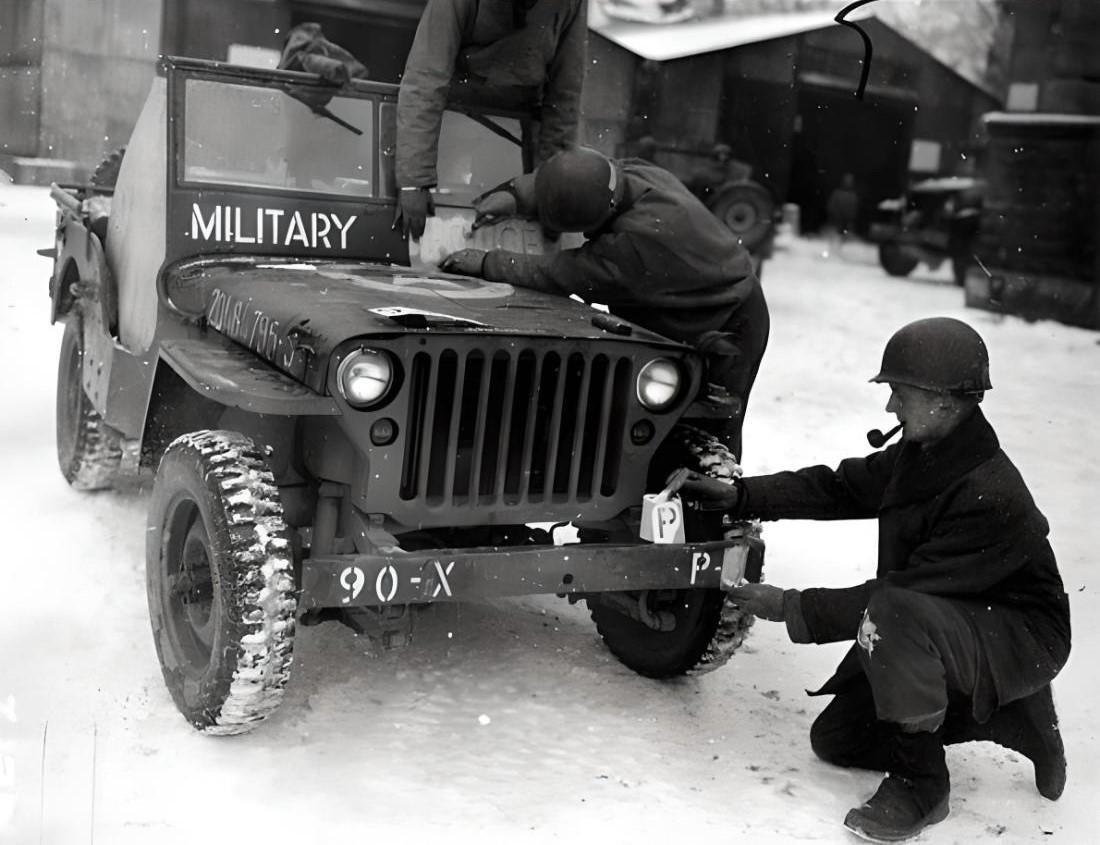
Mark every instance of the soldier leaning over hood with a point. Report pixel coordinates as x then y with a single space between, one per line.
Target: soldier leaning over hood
654 255
527 55
959 634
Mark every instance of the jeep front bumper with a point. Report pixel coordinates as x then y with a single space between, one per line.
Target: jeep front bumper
397 577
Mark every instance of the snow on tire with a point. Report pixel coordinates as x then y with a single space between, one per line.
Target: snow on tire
220 582
88 451
708 629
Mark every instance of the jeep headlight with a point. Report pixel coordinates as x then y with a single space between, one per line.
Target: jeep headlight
365 377
659 384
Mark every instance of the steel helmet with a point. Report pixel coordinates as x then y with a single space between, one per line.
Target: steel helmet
575 190
937 353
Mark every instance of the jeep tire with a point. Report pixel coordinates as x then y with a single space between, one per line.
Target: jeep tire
708 629
88 451
220 583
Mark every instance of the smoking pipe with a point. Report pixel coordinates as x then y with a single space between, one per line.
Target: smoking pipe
877 439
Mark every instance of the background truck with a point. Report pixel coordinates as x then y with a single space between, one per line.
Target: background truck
934 221
334 429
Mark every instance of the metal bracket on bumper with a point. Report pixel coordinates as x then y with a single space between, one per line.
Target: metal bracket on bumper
390 577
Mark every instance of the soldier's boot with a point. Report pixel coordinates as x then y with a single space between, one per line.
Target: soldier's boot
1028 726
913 796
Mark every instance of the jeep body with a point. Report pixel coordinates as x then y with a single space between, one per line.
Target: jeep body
411 433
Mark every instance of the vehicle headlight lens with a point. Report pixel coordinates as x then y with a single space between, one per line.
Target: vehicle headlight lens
365 377
659 384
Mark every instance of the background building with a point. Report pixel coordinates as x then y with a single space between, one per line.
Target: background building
1040 228
781 90
73 75
775 79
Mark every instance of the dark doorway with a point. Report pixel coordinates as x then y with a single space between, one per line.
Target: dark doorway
755 120
835 134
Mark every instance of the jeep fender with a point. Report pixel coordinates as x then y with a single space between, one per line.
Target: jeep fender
211 382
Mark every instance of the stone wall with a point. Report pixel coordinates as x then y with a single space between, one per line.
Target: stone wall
71 91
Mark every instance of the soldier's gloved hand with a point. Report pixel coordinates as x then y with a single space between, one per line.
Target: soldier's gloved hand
761 600
711 492
414 206
494 208
466 262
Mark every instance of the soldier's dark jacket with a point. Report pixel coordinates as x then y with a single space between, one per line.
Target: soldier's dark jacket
481 51
955 520
663 260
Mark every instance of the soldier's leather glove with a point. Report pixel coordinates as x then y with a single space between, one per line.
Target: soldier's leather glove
466 262
414 206
494 207
710 492
761 600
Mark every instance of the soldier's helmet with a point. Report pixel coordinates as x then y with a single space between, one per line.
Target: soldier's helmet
937 353
575 190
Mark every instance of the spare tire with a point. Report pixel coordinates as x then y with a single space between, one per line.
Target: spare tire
105 174
748 210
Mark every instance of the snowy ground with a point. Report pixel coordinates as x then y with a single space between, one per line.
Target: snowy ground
510 722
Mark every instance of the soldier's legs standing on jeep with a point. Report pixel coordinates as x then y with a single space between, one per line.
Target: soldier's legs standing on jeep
748 329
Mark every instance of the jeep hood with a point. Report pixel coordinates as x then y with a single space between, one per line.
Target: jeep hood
295 315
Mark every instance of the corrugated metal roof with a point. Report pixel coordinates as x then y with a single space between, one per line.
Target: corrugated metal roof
662 42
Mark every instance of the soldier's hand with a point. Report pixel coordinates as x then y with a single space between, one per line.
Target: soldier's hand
694 485
413 209
761 600
494 208
466 262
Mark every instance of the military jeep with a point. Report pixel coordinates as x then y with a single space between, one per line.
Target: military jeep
334 429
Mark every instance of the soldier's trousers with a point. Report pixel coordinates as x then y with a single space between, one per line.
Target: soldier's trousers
921 660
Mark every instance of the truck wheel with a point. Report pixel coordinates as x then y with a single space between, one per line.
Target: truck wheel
894 261
747 209
88 451
219 579
708 630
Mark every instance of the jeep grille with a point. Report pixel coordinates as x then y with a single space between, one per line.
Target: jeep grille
514 426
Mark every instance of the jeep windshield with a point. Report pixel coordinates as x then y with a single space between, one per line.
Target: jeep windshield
260 134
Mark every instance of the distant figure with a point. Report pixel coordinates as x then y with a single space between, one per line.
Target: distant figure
842 208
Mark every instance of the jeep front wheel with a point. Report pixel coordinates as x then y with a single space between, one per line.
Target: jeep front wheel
220 584
696 617
88 451
705 629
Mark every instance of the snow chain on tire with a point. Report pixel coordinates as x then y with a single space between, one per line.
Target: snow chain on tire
709 629
221 480
89 452
713 458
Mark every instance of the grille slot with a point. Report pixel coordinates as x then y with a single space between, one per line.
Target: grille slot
512 427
